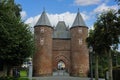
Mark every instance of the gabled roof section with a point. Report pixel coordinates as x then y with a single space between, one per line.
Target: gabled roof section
61 26
43 20
61 31
78 20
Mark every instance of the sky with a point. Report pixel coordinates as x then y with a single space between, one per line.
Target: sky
64 10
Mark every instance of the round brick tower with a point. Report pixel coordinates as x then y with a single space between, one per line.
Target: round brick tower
42 59
79 50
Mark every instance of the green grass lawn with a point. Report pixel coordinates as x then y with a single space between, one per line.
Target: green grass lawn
23 73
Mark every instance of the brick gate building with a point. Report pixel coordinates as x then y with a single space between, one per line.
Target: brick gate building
60 47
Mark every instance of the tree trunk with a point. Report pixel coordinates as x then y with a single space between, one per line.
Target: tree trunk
9 70
96 67
110 65
5 70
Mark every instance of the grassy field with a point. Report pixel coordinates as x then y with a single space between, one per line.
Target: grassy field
23 73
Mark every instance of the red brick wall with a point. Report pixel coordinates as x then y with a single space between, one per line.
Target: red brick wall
42 60
61 51
74 55
79 52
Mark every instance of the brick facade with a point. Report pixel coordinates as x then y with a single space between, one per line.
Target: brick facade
42 61
79 52
73 53
61 43
61 51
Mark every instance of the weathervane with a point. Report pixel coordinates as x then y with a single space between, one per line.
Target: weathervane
44 9
78 10
63 18
58 18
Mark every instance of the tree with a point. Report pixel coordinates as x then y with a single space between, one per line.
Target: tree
94 41
111 35
16 40
105 34
118 1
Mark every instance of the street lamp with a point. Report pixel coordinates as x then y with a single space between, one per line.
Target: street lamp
91 71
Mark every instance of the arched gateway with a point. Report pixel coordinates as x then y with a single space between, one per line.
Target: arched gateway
61 63
60 47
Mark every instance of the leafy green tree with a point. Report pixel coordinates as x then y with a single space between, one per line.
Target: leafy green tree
118 1
16 40
105 34
111 34
94 41
103 63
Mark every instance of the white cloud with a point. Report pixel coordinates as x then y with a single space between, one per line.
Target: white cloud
86 2
32 20
67 17
23 14
104 7
54 18
119 49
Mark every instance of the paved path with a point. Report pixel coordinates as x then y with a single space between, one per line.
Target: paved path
61 75
61 78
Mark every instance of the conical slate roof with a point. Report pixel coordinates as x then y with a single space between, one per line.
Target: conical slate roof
43 20
78 20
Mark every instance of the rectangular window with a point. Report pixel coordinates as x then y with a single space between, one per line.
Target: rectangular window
42 30
80 30
80 41
41 41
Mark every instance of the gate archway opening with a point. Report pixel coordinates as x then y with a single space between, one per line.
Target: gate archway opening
61 65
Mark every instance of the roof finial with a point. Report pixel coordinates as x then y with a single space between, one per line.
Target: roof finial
58 18
63 18
78 10
43 9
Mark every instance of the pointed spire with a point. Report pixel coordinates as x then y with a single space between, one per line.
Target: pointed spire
43 9
78 10
43 20
78 20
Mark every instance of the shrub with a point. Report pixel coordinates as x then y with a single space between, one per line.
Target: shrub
12 78
23 79
8 78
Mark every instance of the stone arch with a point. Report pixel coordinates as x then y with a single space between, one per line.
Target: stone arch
64 59
61 65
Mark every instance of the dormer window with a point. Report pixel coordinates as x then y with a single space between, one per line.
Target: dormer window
42 30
